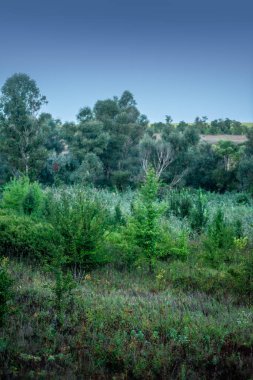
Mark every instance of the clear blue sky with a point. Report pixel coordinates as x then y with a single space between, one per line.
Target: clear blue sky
183 58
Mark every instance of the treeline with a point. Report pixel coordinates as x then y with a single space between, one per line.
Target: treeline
113 145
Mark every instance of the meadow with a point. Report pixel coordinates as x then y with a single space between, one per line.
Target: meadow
147 284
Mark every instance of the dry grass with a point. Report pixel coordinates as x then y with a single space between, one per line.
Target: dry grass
214 139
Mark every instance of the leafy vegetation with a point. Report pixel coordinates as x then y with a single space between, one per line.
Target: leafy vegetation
126 247
113 144
146 284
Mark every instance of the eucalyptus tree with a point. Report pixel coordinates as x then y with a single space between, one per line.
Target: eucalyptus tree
169 150
86 141
125 126
21 133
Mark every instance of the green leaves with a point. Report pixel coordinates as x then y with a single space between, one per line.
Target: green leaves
23 196
143 225
82 220
20 130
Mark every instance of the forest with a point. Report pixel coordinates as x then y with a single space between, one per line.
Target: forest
112 144
126 247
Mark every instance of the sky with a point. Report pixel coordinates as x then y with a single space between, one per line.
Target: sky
183 58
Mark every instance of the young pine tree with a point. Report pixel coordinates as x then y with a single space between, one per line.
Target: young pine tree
146 214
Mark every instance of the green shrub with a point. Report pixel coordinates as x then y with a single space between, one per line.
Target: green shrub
219 240
23 196
196 276
121 248
142 230
23 237
171 245
199 213
242 273
147 236
243 198
32 200
82 221
180 203
14 194
238 229
247 277
118 215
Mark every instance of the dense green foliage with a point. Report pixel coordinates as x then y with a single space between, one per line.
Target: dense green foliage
21 134
81 220
91 227
113 144
23 197
123 260
138 239
195 307
21 236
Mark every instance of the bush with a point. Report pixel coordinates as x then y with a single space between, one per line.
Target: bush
247 277
243 198
22 196
118 216
196 276
219 240
199 214
243 275
180 203
171 245
82 220
122 249
235 278
146 236
143 227
23 237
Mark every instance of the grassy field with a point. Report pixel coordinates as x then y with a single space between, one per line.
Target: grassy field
125 325
248 124
214 139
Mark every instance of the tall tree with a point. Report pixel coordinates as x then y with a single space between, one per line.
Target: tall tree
22 135
53 133
86 142
249 142
156 153
169 150
125 126
230 153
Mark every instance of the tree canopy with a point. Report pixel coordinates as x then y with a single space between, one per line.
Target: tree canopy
113 144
